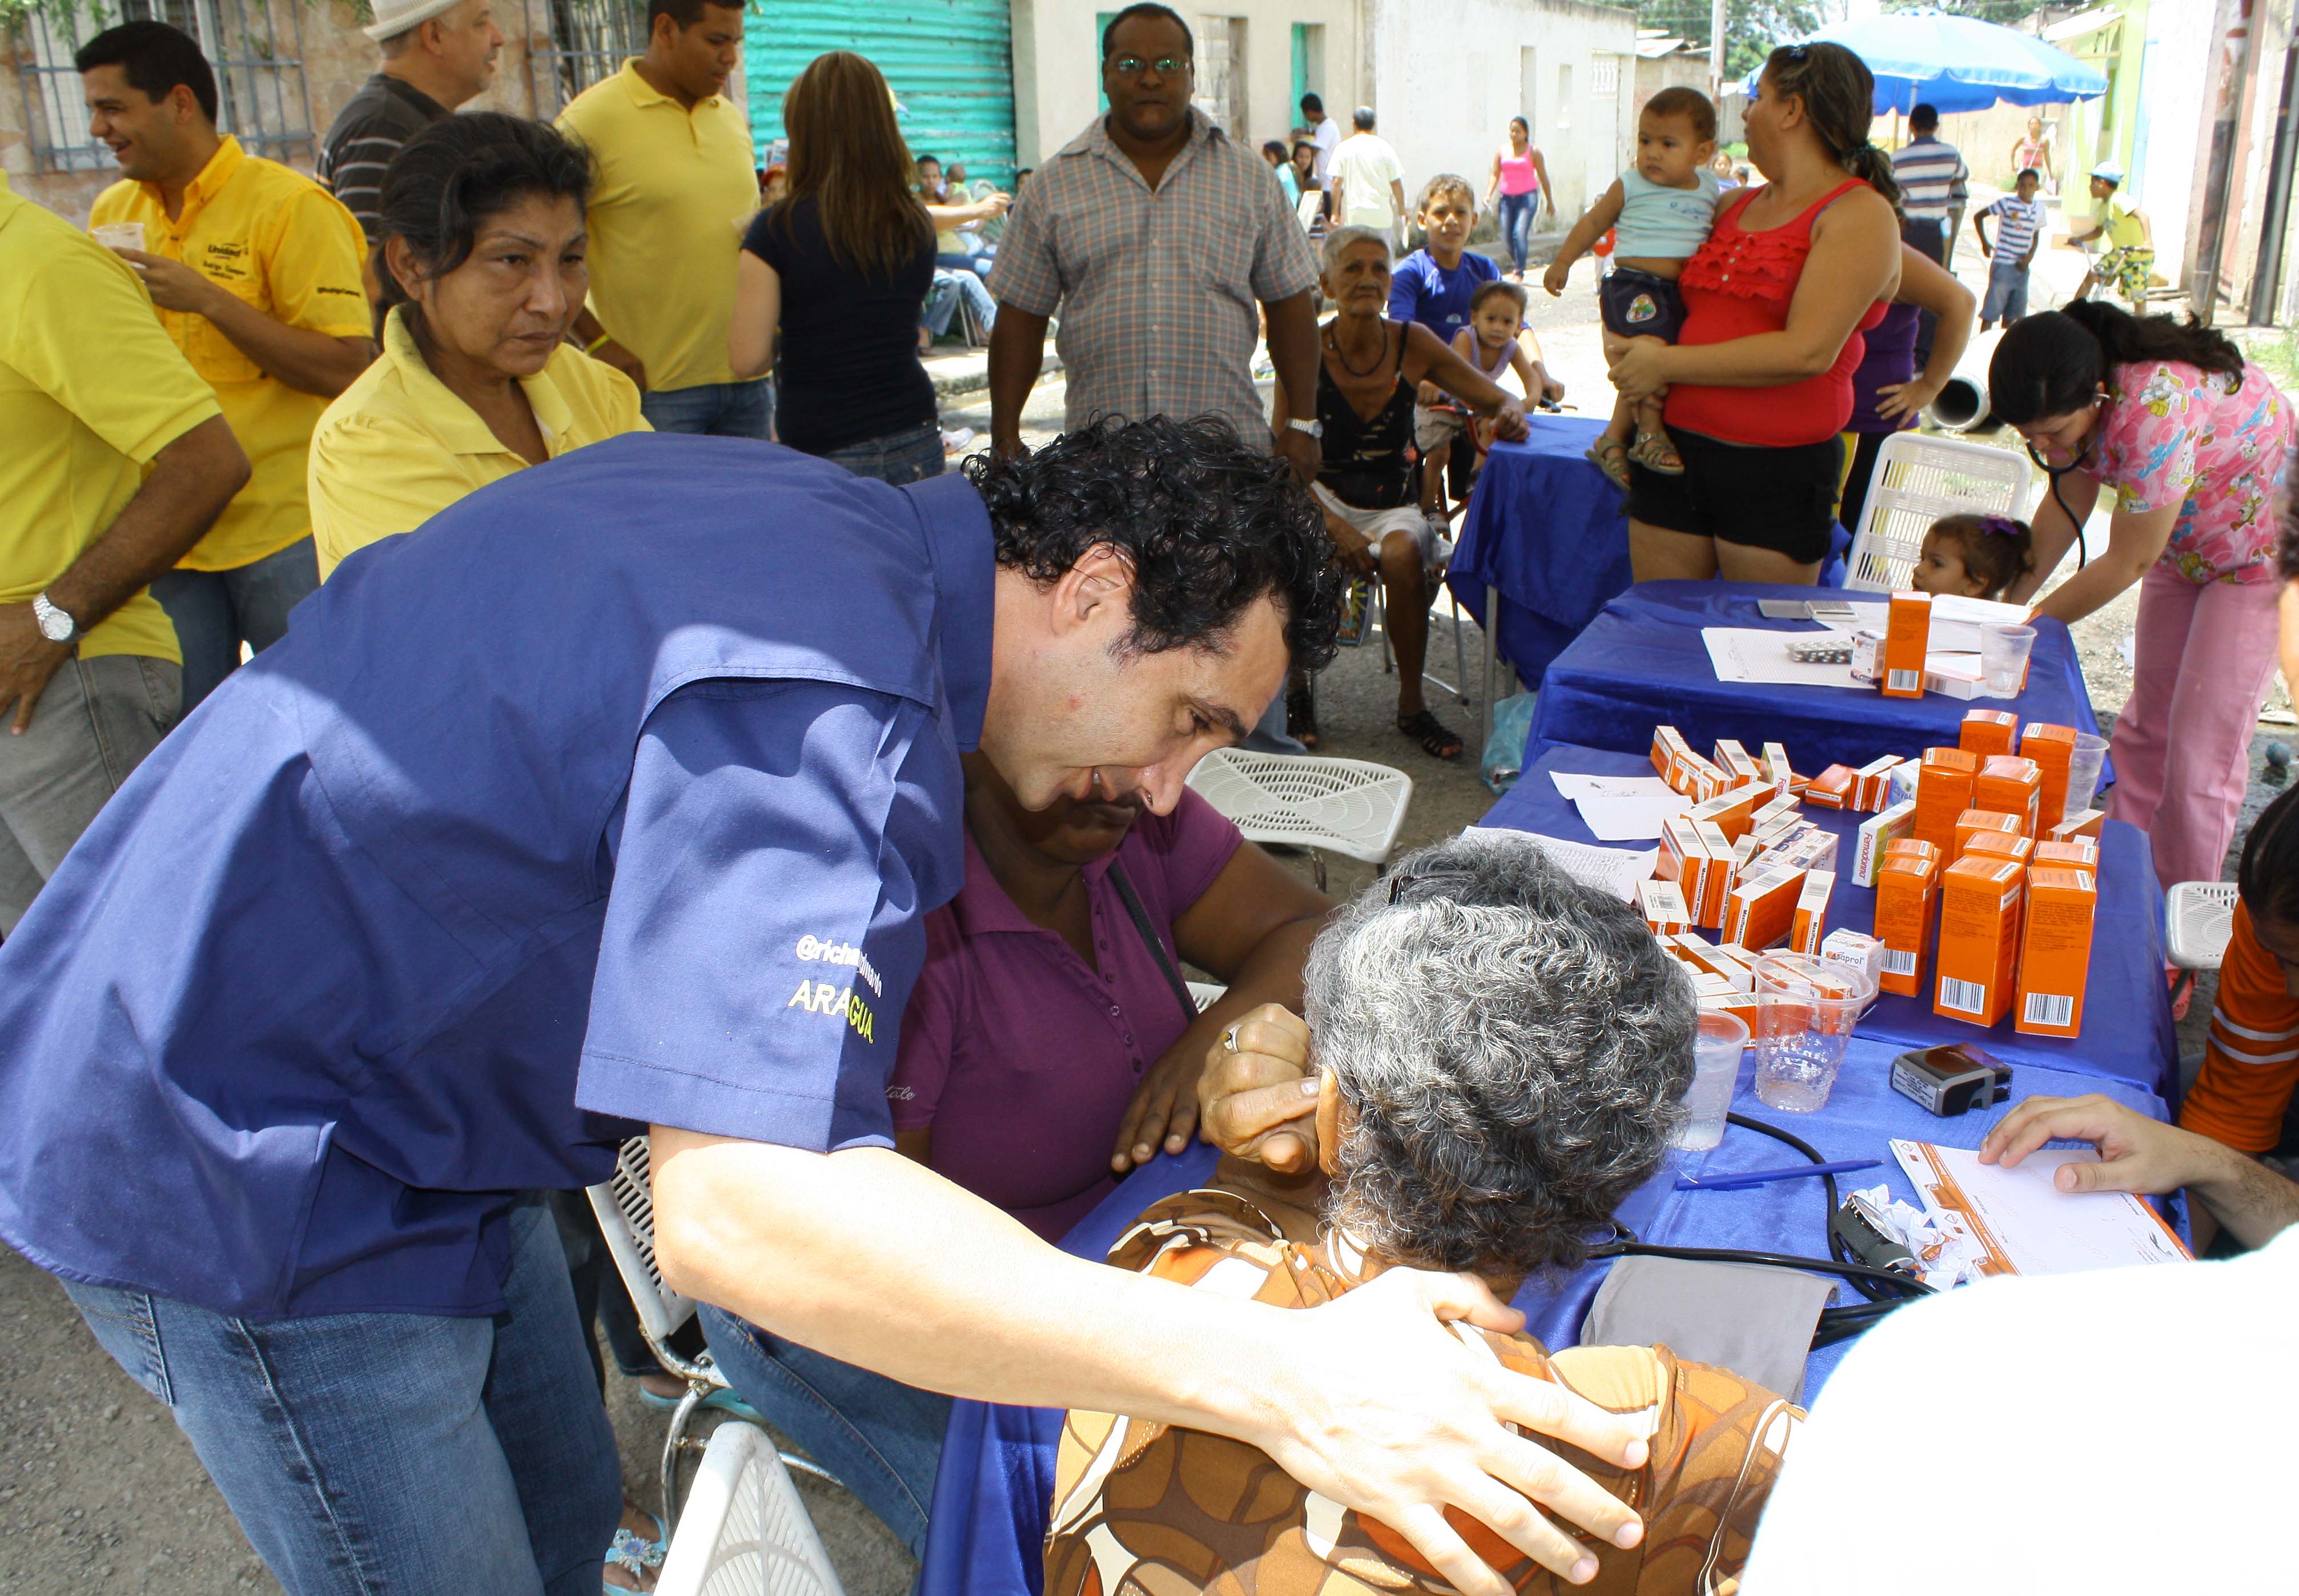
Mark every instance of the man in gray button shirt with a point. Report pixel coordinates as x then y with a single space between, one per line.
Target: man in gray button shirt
1155 235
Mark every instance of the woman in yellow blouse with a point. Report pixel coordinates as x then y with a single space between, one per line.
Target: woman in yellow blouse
480 257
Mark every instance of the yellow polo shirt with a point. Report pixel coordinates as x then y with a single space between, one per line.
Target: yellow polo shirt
275 238
397 446
90 390
672 192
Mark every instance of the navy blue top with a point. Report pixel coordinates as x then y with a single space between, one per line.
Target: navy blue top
615 793
1421 290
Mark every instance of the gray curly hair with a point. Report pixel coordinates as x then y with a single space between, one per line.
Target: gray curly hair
1515 1047
1339 241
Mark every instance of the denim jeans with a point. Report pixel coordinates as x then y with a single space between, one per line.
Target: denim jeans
882 1437
1517 211
96 721
941 301
217 611
910 455
713 409
395 1454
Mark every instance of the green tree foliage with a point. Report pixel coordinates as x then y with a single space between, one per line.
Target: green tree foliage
1752 28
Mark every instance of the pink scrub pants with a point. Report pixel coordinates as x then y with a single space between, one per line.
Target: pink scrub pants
2182 745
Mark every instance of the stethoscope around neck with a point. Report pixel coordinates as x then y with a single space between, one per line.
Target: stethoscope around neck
2055 472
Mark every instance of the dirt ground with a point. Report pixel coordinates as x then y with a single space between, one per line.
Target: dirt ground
99 1492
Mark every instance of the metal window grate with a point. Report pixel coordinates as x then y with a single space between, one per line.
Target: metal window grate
578 43
257 58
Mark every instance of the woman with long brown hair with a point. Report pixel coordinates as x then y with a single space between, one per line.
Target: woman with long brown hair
842 267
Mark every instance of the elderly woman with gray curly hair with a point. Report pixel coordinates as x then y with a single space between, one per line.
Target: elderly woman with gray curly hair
1486 1115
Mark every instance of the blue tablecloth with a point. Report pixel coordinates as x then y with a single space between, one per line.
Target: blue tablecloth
1642 663
1547 531
2128 1034
992 1495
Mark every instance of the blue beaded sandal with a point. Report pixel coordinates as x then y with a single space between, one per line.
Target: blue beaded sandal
636 1555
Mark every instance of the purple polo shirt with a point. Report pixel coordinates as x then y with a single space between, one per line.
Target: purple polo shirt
1020 1054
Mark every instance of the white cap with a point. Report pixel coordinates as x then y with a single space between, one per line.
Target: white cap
395 17
2113 171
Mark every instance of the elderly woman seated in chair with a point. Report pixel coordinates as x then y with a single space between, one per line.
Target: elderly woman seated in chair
1369 372
1498 1055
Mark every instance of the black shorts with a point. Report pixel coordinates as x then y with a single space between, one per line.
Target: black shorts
1783 500
1636 305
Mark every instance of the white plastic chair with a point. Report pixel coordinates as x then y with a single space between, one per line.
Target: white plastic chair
1326 805
746 1531
1378 619
2198 923
625 1204
1204 995
1917 479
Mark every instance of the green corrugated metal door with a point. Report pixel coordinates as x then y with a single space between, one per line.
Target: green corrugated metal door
951 61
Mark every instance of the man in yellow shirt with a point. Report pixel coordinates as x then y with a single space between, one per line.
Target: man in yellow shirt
116 461
255 269
674 189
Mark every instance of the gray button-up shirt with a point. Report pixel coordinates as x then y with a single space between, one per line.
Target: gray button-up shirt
1155 288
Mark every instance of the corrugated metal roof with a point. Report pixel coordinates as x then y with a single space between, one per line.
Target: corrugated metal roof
950 63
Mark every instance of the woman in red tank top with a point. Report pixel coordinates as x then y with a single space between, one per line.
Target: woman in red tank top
1759 382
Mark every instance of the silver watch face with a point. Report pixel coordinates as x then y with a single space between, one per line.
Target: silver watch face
55 626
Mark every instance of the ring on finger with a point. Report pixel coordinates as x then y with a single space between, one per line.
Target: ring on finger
1229 1039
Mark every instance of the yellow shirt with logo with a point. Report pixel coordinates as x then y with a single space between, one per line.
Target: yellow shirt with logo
275 239
397 446
672 190
2119 227
90 390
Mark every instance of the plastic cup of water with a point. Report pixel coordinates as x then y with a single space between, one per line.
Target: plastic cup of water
2083 771
2004 653
1806 1010
119 235
1716 1048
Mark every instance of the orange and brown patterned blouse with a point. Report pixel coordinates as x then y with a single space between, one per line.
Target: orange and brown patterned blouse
1149 1509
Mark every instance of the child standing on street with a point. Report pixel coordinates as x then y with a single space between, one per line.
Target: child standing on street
2018 224
1663 207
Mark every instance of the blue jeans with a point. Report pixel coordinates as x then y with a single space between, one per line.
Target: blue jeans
942 297
910 455
217 611
395 1454
1517 211
977 264
2007 292
713 409
882 1437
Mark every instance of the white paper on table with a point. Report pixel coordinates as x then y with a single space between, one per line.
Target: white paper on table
1863 615
1755 654
1629 820
1614 870
1570 786
2026 1224
1978 612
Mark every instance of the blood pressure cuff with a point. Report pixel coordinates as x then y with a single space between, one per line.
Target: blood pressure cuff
1752 1320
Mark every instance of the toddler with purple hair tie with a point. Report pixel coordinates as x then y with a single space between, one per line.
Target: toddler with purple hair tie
1978 556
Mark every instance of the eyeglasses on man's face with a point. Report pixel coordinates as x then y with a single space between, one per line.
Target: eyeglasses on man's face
1133 66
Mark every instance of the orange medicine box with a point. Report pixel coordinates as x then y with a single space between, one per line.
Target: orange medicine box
2010 784
1661 903
1741 1005
2000 845
1909 847
1737 762
1978 938
2051 747
1811 921
1904 920
1944 791
1760 911
1702 779
1871 784
2077 853
2056 952
1971 822
1831 789
1732 811
1987 732
1663 752
2087 823
1709 911
1908 638
1683 859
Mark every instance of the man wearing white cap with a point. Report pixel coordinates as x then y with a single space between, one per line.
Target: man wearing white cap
436 54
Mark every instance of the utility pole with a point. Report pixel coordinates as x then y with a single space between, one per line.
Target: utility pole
1716 52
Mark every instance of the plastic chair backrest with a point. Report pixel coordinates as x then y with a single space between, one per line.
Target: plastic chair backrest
1918 480
2198 923
1348 806
1205 994
744 1530
625 1204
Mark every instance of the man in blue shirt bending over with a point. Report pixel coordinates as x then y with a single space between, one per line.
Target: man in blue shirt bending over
612 800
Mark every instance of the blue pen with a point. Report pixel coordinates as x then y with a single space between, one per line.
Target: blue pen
1733 1179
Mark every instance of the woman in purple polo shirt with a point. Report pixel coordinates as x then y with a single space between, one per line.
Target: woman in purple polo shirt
1048 1046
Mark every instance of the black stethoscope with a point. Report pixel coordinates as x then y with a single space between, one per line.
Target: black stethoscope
2055 472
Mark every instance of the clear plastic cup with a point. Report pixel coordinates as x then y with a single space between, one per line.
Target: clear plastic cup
2004 653
1806 1010
1716 1049
2083 771
119 235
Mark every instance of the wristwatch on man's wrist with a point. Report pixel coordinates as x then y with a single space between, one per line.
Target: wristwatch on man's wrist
55 625
1314 428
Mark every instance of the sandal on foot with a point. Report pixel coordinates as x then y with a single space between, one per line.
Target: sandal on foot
1608 457
636 1556
1655 453
1301 717
1437 740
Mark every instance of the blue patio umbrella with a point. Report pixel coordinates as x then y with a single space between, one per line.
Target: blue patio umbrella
1957 63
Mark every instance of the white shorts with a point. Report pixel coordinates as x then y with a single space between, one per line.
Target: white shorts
1378 526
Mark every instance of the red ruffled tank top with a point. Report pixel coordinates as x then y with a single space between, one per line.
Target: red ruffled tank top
1738 284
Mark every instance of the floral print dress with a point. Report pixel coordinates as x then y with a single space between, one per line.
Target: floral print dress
2218 446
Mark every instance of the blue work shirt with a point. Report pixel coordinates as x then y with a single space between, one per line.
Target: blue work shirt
1421 290
616 793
